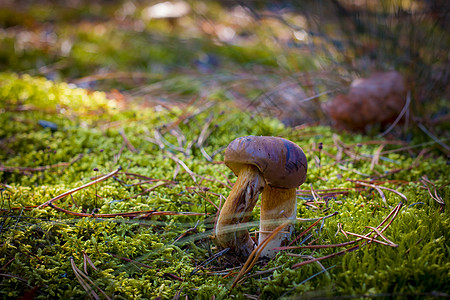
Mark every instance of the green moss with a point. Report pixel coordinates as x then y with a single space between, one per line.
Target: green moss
37 245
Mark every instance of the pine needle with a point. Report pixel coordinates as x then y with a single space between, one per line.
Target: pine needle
251 261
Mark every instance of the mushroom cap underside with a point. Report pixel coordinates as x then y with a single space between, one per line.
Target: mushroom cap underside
282 162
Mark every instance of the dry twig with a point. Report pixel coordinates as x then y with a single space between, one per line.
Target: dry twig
79 188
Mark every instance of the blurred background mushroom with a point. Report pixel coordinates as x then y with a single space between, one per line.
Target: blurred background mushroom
378 99
170 11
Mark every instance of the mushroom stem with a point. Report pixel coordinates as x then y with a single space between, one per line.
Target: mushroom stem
277 206
237 210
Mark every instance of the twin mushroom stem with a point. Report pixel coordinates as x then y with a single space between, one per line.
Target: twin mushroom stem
272 166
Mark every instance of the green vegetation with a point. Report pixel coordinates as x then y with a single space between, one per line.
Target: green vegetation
93 88
143 257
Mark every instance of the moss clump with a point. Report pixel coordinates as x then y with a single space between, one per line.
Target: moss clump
167 169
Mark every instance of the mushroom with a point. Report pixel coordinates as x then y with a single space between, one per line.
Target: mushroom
378 99
273 166
170 11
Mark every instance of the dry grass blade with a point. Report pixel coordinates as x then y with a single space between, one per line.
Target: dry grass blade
263 272
185 167
186 115
306 256
256 253
87 260
205 155
132 214
5 185
79 188
404 110
392 215
381 187
209 260
8 263
434 138
318 246
41 168
131 261
24 251
135 175
353 170
173 276
382 236
114 75
178 134
307 279
407 148
186 232
89 290
150 189
298 265
79 273
371 239
162 142
434 195
314 194
178 294
15 277
394 191
305 231
127 141
151 181
341 229
207 199
321 191
204 135
383 197
376 157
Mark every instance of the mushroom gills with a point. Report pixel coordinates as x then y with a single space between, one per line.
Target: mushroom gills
229 232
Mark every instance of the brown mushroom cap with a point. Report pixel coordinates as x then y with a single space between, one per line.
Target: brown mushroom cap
282 162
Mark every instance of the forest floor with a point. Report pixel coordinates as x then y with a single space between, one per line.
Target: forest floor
113 127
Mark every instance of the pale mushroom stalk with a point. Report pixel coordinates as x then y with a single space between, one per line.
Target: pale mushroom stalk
237 210
278 205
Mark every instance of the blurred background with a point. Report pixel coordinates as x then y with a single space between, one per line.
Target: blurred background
282 58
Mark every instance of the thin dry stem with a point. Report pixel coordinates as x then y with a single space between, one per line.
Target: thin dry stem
392 214
185 167
79 188
383 197
305 231
127 141
150 189
134 214
253 257
371 239
41 168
